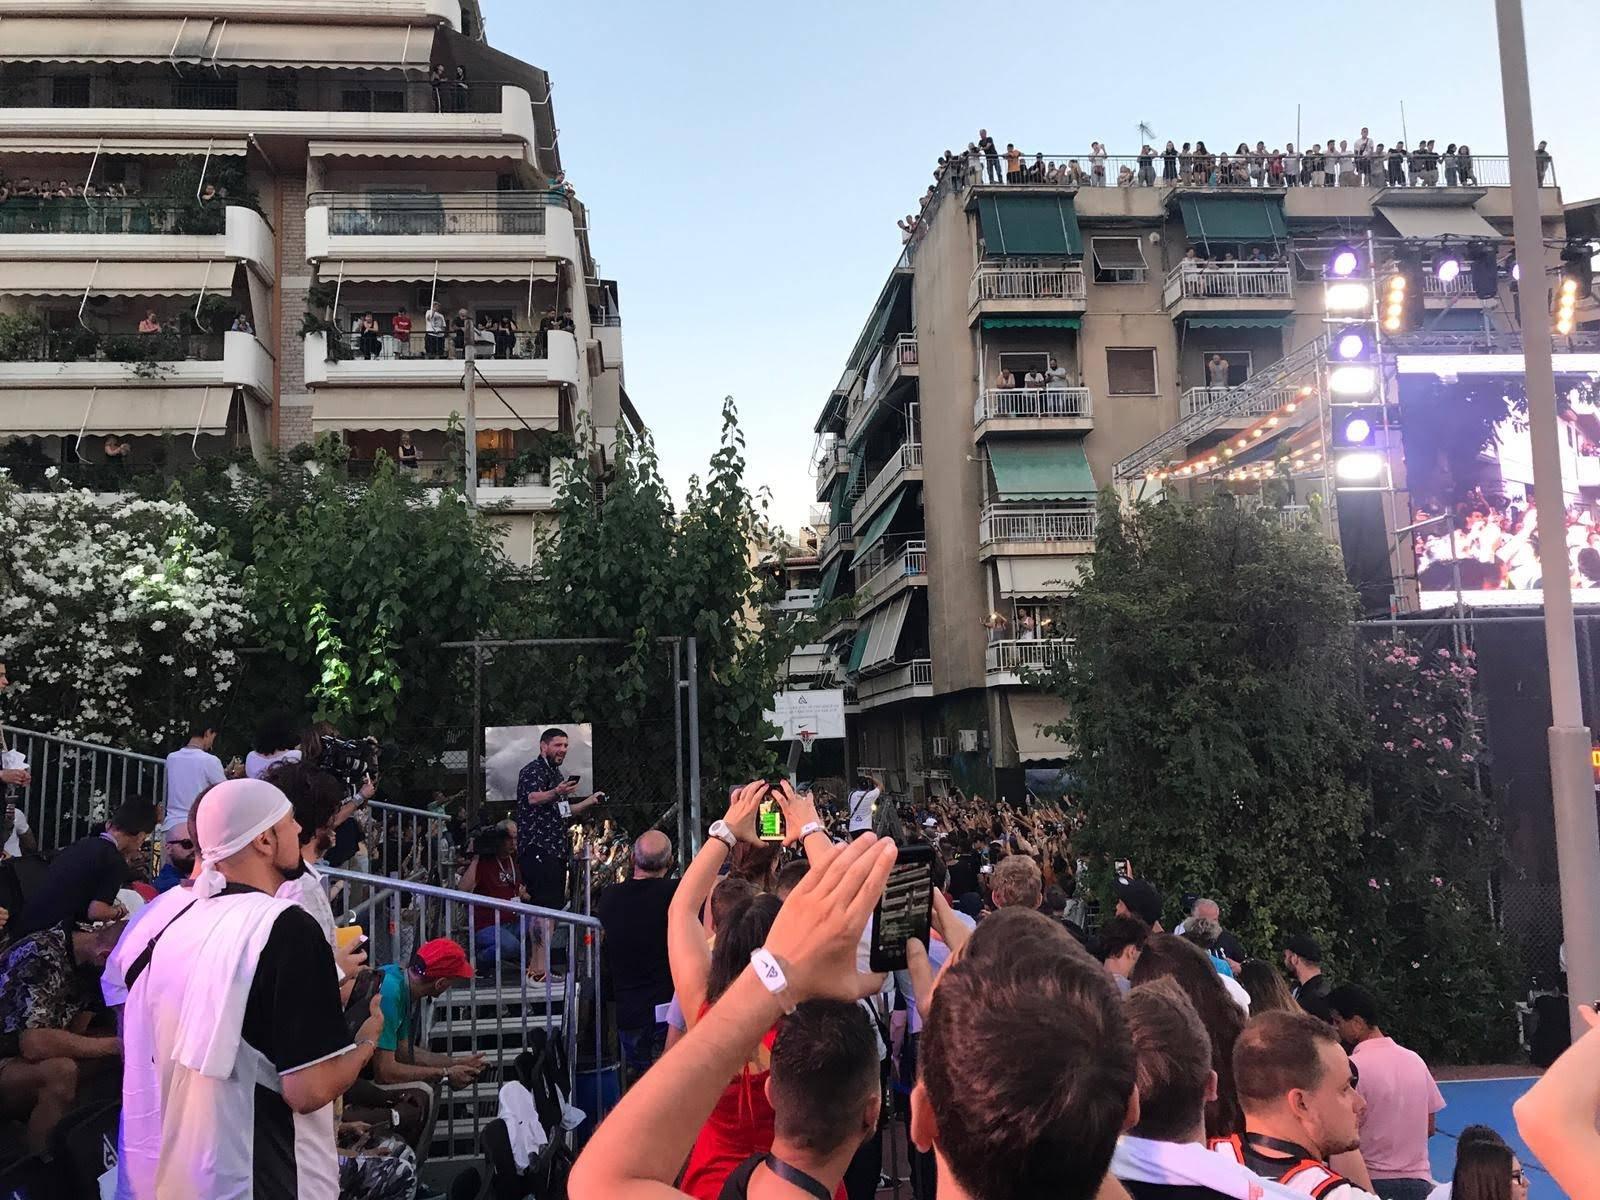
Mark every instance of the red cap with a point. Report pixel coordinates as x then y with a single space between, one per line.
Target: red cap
443 959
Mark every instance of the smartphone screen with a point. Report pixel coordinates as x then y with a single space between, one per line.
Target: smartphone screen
905 909
769 821
573 778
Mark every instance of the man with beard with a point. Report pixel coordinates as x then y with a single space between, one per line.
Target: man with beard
179 866
543 808
233 1008
316 797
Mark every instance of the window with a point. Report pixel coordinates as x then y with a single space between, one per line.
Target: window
1019 364
70 91
1118 260
1238 365
1131 371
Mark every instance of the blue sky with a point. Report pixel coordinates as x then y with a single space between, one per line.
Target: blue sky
744 164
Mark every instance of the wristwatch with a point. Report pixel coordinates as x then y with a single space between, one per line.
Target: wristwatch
811 827
720 830
770 972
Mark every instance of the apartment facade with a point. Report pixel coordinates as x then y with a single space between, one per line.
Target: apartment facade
960 496
234 188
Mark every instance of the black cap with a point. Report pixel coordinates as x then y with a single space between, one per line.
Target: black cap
1305 946
1141 897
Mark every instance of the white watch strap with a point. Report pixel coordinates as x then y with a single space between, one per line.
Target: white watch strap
770 972
811 827
720 831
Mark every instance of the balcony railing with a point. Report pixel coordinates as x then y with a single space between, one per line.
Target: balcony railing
381 345
834 457
897 677
837 536
112 215
1044 523
908 562
1263 403
75 345
1461 285
1016 655
1088 170
907 458
905 349
1000 404
994 282
1228 281
437 214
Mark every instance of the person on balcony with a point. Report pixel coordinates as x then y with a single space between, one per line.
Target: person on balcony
400 326
459 331
1013 163
1169 164
1541 159
1033 379
1217 371
151 322
408 453
1074 176
1006 379
1056 376
1125 176
1147 166
991 156
435 324
483 338
1097 164
367 336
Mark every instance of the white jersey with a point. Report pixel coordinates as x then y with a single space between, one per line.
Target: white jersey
862 803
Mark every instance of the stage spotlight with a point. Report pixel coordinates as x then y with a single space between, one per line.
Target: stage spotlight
1357 430
1567 305
1351 344
1576 266
1485 273
1351 381
1402 296
1348 298
1343 263
1446 267
1362 466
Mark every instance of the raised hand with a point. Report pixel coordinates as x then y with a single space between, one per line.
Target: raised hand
742 810
818 929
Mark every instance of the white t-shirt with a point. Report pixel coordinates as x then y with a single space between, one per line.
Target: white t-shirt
190 771
1235 989
256 764
861 804
18 828
435 322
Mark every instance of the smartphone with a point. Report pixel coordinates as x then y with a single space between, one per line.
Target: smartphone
905 910
769 821
573 778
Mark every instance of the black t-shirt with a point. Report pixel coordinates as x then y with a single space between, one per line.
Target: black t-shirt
1313 997
964 875
1231 947
634 916
1140 1190
293 1017
88 870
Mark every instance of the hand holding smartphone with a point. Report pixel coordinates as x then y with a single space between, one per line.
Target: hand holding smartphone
905 910
769 819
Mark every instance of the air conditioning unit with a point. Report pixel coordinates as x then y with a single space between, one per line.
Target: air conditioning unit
968 740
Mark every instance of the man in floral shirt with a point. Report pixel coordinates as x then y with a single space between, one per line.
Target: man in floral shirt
542 789
48 994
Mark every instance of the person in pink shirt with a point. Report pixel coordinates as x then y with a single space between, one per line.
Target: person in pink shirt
1402 1098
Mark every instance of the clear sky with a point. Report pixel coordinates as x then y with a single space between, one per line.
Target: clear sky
744 163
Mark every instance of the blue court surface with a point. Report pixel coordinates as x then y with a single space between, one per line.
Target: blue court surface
1486 1102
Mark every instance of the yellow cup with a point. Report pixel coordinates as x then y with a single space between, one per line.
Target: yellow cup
345 936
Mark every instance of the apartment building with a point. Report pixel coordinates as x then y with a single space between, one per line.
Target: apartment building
232 188
961 496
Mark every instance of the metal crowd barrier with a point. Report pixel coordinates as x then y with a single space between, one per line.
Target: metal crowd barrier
76 784
498 1010
407 843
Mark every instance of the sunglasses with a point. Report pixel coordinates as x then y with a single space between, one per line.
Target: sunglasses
181 843
1519 1176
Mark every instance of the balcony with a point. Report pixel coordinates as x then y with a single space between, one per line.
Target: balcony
1194 288
886 574
904 681
1458 293
1011 662
146 229
1035 529
904 465
997 289
1261 404
1032 410
894 362
834 460
372 12
608 332
470 226
401 363
796 600
840 537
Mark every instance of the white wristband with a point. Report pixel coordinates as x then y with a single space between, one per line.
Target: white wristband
770 972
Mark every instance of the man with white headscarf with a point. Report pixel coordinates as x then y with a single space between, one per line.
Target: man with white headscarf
235 1003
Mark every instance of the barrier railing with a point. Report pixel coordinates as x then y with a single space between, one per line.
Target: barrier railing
1004 523
1019 654
837 536
109 215
536 972
76 785
1231 281
1259 404
907 458
76 344
408 843
908 562
1025 283
521 343
436 213
1025 403
1088 169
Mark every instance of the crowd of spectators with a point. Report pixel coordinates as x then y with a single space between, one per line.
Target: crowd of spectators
491 335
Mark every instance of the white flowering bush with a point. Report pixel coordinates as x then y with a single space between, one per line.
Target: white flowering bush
118 621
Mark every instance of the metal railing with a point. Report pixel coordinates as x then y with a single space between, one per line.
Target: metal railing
1229 281
1461 285
837 536
501 1008
436 213
407 843
416 344
1014 655
77 785
994 282
1258 404
1035 523
76 344
1030 403
835 456
907 458
1087 169
109 215
882 570
905 349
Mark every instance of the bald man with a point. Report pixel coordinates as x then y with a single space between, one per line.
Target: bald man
634 916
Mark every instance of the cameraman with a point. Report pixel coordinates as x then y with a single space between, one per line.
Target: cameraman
356 763
493 872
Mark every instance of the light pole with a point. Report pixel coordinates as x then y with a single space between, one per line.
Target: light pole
1571 775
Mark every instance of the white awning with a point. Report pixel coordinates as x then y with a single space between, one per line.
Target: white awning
516 151
1437 220
115 278
430 408
422 269
123 145
884 634
121 410
220 41
1025 577
1030 712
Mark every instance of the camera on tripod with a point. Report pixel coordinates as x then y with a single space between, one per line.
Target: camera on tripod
351 761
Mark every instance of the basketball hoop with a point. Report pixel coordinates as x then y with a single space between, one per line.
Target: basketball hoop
807 736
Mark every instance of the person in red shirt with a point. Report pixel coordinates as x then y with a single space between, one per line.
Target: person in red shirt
493 873
401 327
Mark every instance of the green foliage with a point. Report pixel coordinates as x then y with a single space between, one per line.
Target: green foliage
1212 708
21 335
184 180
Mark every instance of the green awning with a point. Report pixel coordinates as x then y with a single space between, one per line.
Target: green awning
1033 322
1029 225
893 305
1041 469
1234 218
858 651
879 525
830 581
1236 322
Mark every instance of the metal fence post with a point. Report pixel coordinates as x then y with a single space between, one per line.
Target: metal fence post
475 745
677 742
694 749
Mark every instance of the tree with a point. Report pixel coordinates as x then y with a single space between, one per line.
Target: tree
1212 709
